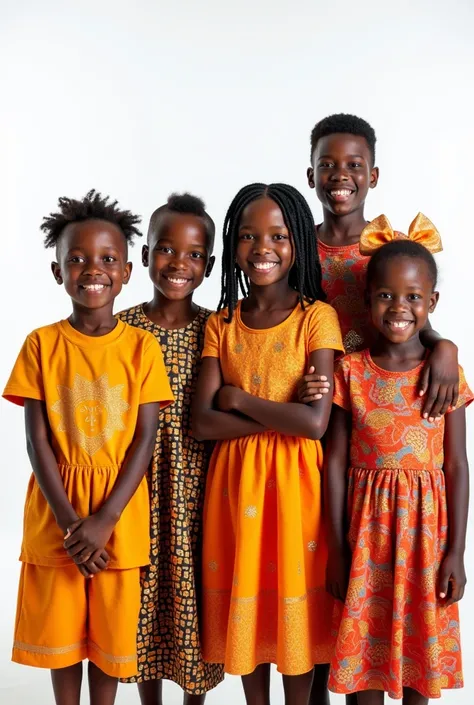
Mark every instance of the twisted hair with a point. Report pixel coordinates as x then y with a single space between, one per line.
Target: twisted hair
92 207
186 204
305 274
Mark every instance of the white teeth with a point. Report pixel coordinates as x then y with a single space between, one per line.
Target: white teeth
399 324
177 281
93 287
341 192
264 265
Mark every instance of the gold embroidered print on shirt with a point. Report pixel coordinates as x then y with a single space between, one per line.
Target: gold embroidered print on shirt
91 411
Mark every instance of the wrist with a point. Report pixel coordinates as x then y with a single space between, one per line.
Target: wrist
109 514
457 549
65 520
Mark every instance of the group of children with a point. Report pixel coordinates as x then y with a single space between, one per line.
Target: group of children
217 492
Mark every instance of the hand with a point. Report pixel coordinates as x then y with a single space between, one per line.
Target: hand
312 387
452 578
87 536
97 562
337 573
227 398
440 377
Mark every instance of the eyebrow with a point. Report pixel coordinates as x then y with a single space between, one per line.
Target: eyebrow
348 156
167 240
272 227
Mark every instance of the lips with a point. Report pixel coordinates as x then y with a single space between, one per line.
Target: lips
176 280
340 194
264 266
399 325
93 288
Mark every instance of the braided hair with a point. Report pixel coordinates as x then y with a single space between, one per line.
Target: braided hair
92 207
305 274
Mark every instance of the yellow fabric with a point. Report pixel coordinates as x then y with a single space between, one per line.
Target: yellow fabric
379 232
92 388
265 552
62 619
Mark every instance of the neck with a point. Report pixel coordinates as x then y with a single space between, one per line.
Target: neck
275 296
342 229
170 313
411 350
94 322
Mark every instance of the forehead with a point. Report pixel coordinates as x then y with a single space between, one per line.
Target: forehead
402 271
342 145
182 228
263 211
89 234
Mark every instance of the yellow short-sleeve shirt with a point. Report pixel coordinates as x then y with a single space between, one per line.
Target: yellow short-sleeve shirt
92 388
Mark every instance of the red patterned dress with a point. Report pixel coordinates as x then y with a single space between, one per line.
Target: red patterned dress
394 631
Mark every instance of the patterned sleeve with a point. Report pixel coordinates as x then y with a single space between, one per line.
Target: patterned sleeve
211 336
155 383
26 379
324 330
342 371
465 395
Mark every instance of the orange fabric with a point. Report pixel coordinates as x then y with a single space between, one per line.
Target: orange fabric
92 389
264 549
379 232
394 631
344 270
62 619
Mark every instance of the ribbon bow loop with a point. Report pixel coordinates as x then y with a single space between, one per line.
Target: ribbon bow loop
379 232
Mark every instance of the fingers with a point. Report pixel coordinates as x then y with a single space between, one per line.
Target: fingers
454 402
83 570
72 528
444 578
430 399
424 379
448 402
438 404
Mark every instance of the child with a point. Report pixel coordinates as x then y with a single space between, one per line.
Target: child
264 549
406 529
178 256
342 172
91 387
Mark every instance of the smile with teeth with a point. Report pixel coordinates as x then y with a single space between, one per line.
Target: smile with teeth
93 287
343 192
177 280
399 325
264 266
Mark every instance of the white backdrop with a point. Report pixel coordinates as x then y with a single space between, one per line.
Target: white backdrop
141 99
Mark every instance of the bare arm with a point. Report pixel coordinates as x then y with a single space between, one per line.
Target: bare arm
44 464
209 423
456 471
294 418
440 378
91 534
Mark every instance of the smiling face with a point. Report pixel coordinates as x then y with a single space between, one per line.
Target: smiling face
92 263
178 255
401 297
342 172
265 250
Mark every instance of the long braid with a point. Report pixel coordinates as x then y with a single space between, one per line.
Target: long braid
305 275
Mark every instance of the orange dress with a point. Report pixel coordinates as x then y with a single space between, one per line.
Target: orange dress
92 388
394 631
264 552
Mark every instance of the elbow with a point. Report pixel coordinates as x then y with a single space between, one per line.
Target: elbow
317 430
199 428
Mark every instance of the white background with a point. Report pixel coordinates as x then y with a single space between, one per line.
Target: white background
141 99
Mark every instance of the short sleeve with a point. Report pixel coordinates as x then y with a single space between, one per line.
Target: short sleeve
342 371
324 330
26 379
211 337
155 383
465 395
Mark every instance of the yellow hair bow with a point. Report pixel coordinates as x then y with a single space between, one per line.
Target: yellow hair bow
379 232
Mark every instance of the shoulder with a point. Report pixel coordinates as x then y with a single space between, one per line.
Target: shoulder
137 337
131 315
349 362
45 334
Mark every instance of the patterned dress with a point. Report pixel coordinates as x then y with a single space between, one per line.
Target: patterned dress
344 270
394 631
264 544
168 632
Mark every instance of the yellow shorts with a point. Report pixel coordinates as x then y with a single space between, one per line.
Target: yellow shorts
62 619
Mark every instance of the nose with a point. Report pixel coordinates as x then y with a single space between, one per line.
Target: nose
398 303
339 174
93 268
177 262
262 245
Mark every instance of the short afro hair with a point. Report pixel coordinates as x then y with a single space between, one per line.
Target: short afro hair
186 204
92 207
345 124
401 248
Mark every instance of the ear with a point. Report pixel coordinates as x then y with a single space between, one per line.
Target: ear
127 272
434 298
374 177
145 255
56 273
310 177
210 266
